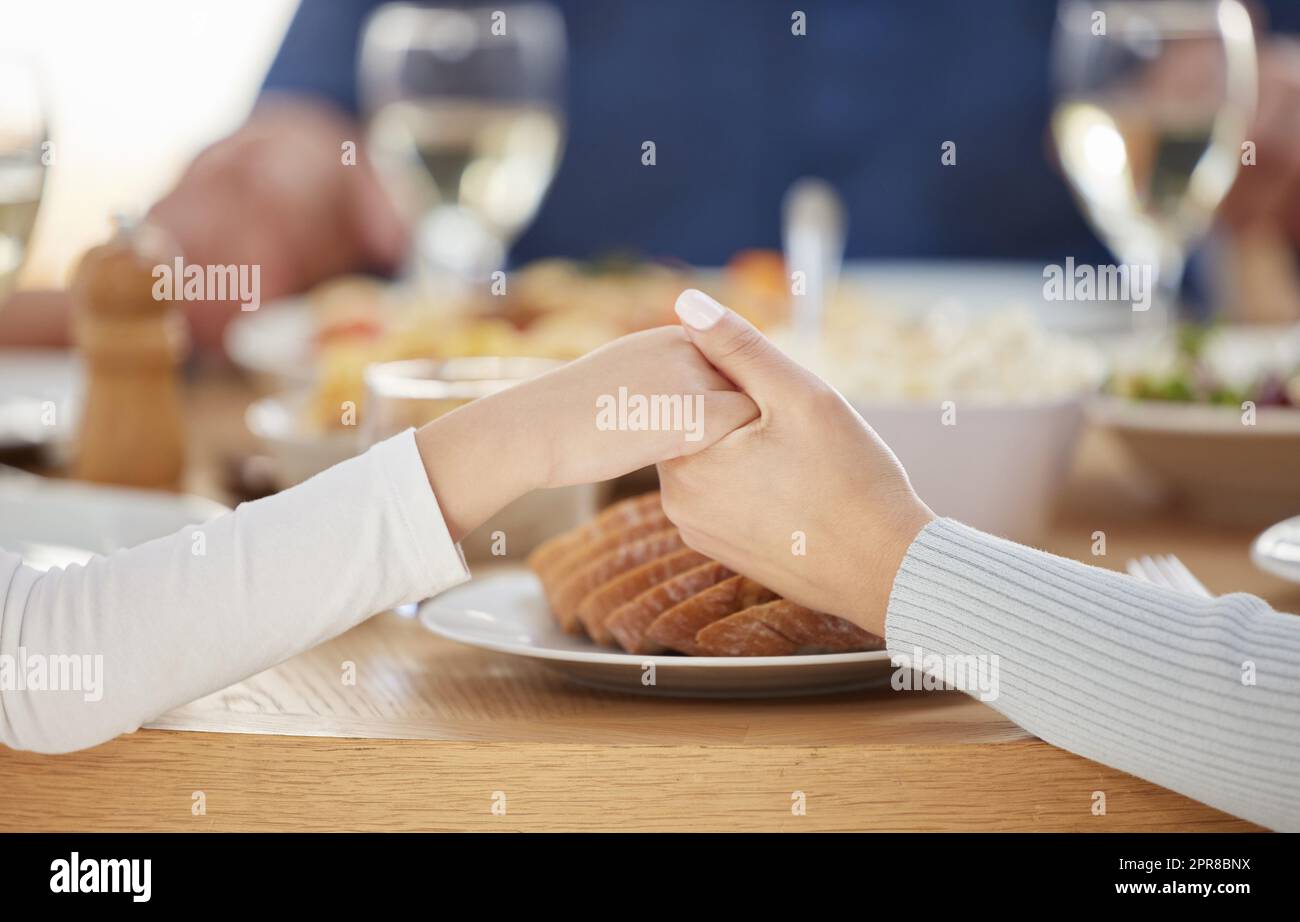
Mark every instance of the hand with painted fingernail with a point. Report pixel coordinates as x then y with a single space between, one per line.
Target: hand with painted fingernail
642 399
805 498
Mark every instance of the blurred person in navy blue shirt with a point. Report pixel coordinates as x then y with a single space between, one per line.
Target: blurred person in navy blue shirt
738 108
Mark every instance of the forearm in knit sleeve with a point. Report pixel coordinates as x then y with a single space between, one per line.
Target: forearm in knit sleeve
1201 696
186 615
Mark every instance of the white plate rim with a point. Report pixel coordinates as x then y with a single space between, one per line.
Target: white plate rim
429 609
1175 418
1267 563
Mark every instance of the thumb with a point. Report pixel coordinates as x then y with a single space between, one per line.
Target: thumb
732 344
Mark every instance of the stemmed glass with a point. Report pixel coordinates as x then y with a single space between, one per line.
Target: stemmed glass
24 155
465 122
1154 99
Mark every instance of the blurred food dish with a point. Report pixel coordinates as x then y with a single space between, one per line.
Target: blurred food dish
983 408
883 355
1213 415
1220 366
369 320
555 309
1221 469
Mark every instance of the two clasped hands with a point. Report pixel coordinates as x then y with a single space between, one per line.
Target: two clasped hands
1131 675
782 453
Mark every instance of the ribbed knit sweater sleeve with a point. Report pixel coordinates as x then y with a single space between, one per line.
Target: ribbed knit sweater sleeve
1198 695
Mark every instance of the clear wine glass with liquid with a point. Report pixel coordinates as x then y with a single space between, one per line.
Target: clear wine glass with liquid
24 154
465 122
1153 102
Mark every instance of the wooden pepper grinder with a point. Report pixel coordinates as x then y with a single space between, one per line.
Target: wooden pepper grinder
132 430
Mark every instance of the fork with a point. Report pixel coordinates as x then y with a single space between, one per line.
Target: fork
1168 571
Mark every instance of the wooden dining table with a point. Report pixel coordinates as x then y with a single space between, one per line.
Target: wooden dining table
388 727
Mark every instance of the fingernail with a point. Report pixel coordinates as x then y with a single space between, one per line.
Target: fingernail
697 310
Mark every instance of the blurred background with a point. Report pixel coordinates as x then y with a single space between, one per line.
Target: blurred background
391 209
134 91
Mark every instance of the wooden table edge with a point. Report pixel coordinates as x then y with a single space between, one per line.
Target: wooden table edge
155 780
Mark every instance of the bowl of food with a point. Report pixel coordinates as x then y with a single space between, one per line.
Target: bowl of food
983 410
1213 414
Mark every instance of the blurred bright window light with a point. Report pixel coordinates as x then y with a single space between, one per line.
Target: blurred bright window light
135 89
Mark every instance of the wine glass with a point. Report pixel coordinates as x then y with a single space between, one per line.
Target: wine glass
24 154
413 392
465 123
1154 98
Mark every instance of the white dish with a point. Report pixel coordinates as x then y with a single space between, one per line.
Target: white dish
276 342
1205 456
296 452
55 523
998 468
1277 550
504 610
1194 419
32 382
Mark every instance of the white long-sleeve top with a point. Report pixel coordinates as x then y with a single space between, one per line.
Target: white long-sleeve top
184 616
1139 678
1198 695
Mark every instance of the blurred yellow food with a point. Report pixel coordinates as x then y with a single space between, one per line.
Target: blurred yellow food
555 308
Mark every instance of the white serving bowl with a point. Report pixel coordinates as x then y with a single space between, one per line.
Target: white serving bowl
999 468
297 451
1207 459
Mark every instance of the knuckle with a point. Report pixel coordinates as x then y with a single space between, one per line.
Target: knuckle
669 499
745 344
693 540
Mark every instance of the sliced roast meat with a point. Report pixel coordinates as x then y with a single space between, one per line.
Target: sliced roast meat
782 628
628 623
600 604
677 627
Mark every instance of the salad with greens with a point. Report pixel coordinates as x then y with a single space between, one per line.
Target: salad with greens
1212 364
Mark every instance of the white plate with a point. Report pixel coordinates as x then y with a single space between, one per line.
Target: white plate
277 342
1277 550
504 610
31 380
52 523
296 450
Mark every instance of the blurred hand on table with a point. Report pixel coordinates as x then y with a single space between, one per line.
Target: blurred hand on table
1268 191
278 194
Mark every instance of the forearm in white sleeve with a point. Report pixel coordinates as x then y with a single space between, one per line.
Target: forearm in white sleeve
186 615
1201 696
